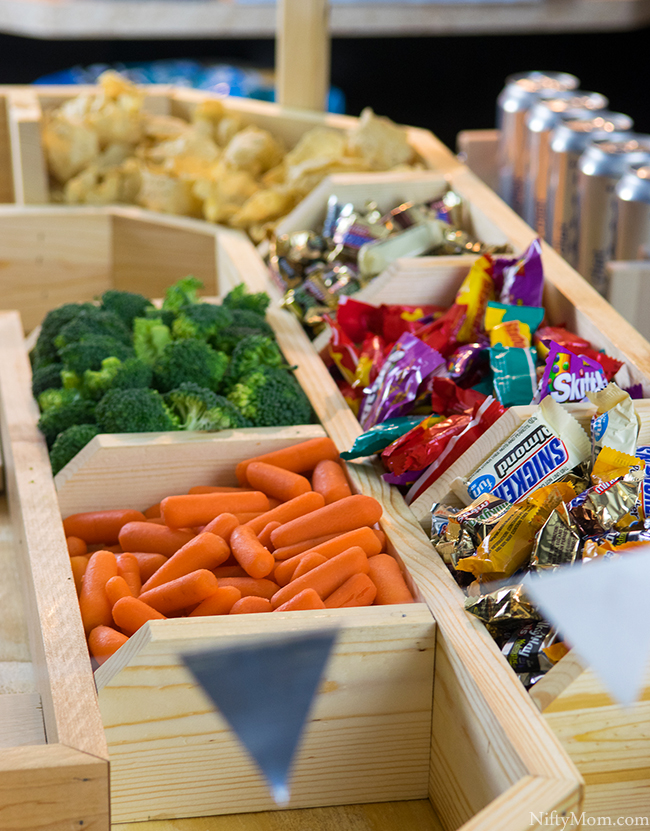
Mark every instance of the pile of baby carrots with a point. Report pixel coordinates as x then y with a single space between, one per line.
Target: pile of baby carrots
281 541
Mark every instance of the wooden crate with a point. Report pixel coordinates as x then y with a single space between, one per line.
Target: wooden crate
569 300
483 755
23 174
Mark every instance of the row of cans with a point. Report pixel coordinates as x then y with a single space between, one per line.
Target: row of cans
574 171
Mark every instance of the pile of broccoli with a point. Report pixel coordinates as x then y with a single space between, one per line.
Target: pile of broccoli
124 366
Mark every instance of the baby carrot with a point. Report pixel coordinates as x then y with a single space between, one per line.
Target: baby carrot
129 569
130 614
329 479
148 563
251 605
222 525
385 573
363 537
104 641
215 489
158 520
301 505
308 560
358 590
93 602
153 512
276 482
153 539
273 502
201 508
381 537
206 551
327 577
264 535
306 599
229 571
249 552
299 458
248 516
116 588
79 566
76 546
181 592
100 526
249 587
219 603
345 515
288 551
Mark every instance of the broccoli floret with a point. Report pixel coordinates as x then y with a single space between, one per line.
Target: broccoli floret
54 399
45 378
270 397
134 411
166 315
69 443
126 305
57 419
182 293
150 337
251 353
201 321
93 321
245 323
189 402
45 352
90 351
239 298
114 375
192 361
201 409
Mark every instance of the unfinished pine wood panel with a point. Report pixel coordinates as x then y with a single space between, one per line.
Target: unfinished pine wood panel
478 150
151 255
21 720
161 464
373 709
29 170
6 174
52 256
303 54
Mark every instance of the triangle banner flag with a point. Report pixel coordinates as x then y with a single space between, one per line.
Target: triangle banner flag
600 609
265 690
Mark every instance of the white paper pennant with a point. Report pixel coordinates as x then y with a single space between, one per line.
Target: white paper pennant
600 608
265 690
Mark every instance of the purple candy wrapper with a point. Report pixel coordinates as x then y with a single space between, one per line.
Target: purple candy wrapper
396 387
406 479
568 377
523 281
499 266
635 391
470 363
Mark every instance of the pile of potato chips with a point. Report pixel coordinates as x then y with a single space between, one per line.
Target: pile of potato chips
105 148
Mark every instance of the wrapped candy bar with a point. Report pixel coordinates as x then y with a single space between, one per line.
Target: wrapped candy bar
380 436
568 377
533 648
558 542
467 528
502 608
523 281
616 424
497 313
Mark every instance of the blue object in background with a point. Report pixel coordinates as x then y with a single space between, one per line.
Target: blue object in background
219 78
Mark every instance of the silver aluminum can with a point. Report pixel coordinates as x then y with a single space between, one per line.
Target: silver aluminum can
633 214
576 130
519 94
540 121
600 167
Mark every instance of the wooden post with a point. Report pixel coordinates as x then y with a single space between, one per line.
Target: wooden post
302 57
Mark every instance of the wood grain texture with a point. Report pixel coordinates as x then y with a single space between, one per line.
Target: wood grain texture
161 464
629 292
13 624
478 150
21 720
29 171
58 649
376 816
173 755
50 256
6 174
302 54
52 788
432 280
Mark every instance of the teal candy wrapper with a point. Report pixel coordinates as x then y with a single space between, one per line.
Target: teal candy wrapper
515 377
380 436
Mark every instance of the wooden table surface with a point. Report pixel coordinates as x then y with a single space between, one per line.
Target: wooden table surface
151 19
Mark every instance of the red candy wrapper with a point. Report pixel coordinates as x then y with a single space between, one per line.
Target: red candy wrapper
483 417
358 319
417 448
448 398
342 350
371 359
442 334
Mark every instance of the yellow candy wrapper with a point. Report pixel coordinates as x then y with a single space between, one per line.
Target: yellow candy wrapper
511 333
475 292
612 464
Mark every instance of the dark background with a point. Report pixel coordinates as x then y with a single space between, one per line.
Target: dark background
445 84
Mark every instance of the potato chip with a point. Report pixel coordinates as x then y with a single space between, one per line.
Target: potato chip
165 193
253 149
69 147
379 141
317 143
264 206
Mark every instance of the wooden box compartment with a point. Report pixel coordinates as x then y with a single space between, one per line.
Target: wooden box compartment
171 756
480 751
599 736
23 173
